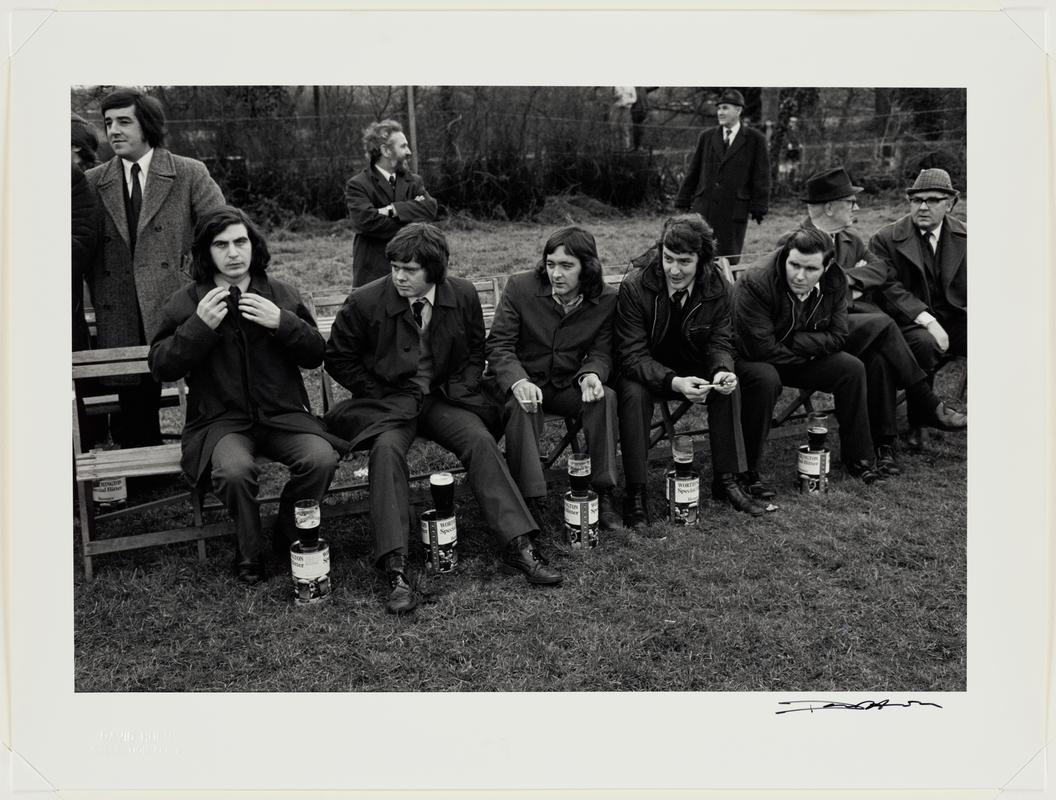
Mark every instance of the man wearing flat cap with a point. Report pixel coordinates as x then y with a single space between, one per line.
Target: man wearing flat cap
872 336
927 295
728 178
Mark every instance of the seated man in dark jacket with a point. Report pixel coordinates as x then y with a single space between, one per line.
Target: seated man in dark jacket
241 338
550 348
410 348
673 341
790 324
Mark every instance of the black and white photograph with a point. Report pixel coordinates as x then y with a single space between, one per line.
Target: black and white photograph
440 416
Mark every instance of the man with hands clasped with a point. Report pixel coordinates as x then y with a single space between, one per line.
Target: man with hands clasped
550 348
241 338
674 341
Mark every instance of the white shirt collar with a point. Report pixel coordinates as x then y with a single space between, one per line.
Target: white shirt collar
144 168
384 172
429 297
936 233
733 131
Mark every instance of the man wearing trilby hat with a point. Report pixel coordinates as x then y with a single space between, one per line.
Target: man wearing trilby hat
728 178
927 251
872 336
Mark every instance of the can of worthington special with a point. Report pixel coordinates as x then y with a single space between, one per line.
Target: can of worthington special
683 496
311 572
812 470
581 518
439 538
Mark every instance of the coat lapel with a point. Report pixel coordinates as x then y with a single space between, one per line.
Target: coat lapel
952 251
905 236
442 328
111 188
737 144
160 178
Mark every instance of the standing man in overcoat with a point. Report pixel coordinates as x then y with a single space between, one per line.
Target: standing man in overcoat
410 348
382 199
550 348
728 178
927 251
151 200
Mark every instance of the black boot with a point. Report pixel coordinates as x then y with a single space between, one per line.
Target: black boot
865 471
754 485
635 507
608 519
886 464
726 488
401 596
521 556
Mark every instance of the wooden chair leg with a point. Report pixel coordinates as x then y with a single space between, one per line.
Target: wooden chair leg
804 399
86 512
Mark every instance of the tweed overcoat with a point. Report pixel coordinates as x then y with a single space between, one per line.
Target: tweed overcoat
177 192
240 374
726 188
769 325
530 337
85 222
907 296
643 311
365 193
374 348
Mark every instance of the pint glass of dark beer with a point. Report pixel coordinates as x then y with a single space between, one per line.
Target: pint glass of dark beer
579 473
442 487
817 430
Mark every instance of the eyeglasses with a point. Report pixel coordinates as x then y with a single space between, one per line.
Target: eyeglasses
930 201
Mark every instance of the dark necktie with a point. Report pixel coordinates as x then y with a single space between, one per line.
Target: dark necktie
676 308
417 308
925 249
725 139
233 296
392 183
135 203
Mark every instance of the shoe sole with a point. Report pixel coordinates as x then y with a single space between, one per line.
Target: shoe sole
508 570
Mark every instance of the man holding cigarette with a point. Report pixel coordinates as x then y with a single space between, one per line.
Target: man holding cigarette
674 341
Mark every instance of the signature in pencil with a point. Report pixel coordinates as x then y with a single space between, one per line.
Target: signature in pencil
839 705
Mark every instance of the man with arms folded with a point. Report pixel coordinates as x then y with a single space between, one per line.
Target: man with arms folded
241 338
790 326
410 349
927 251
382 199
673 341
873 336
550 348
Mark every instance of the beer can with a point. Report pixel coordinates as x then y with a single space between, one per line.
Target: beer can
109 493
310 565
682 490
439 538
812 470
581 518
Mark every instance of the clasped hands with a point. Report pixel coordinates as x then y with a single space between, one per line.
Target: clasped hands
213 308
696 389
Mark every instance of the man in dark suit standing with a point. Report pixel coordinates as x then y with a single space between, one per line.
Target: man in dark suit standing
410 348
728 177
382 199
928 295
151 200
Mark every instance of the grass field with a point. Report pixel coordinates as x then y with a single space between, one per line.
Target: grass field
863 589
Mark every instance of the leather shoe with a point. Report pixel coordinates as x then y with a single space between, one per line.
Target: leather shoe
249 572
885 461
521 556
401 596
754 486
947 419
608 519
636 508
726 488
863 471
915 437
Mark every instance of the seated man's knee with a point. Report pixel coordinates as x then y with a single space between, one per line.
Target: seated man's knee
235 467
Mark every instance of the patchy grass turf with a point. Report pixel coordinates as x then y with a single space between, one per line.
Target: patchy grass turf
863 589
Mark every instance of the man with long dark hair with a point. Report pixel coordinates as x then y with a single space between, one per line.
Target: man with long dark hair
383 198
550 348
241 339
151 200
410 349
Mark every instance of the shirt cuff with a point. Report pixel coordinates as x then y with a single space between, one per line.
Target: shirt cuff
515 384
924 319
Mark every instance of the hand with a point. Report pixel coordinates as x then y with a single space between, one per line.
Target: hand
528 395
386 211
938 333
592 388
419 198
692 388
758 218
213 307
725 382
855 294
260 310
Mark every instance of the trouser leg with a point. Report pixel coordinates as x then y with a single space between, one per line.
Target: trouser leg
738 231
635 412
760 386
389 493
881 393
312 461
724 432
522 448
464 434
234 476
599 428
